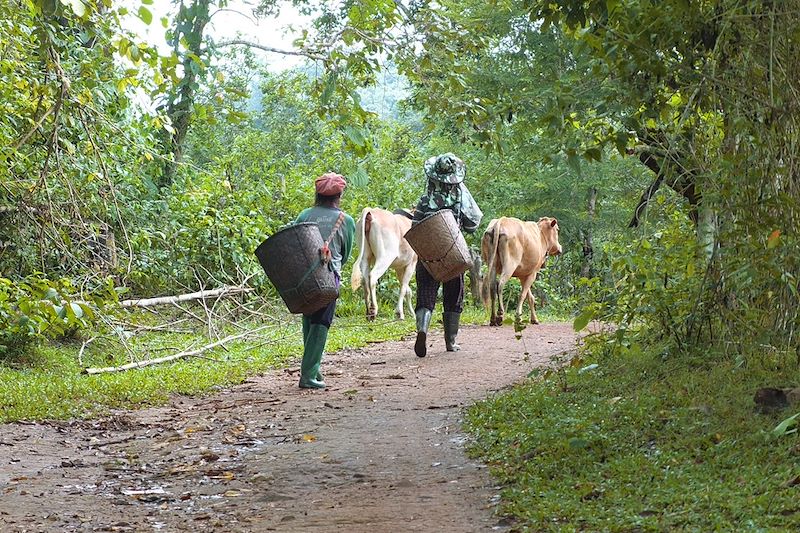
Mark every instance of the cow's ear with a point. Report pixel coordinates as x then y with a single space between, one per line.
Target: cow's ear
553 222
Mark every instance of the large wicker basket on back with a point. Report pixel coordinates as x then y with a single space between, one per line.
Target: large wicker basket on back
440 245
291 260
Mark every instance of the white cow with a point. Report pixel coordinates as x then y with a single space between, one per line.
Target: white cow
379 235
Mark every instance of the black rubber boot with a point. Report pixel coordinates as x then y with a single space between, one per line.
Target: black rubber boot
450 320
423 321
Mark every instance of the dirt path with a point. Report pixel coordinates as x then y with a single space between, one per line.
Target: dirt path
380 450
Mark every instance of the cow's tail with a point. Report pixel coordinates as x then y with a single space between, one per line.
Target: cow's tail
488 281
361 241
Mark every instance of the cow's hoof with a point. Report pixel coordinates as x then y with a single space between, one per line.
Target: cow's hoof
371 317
535 321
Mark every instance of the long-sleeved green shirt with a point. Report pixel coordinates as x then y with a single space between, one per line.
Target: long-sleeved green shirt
342 243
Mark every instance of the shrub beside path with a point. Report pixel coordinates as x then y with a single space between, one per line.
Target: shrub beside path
381 449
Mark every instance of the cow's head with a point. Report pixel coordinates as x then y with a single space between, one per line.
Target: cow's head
549 229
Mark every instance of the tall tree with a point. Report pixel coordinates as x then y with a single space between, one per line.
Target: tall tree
188 44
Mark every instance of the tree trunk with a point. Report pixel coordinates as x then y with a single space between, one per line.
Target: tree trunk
586 235
179 108
706 229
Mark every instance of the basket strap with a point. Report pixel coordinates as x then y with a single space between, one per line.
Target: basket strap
325 251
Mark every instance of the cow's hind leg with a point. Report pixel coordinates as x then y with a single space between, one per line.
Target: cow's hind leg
364 266
501 305
505 275
378 269
367 267
493 301
404 274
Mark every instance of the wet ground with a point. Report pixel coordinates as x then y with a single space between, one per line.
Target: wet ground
381 449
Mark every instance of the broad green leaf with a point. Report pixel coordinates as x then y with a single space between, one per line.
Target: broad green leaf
145 15
76 309
583 319
359 178
52 295
77 6
355 135
786 427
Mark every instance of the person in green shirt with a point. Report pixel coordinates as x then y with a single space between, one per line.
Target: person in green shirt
338 228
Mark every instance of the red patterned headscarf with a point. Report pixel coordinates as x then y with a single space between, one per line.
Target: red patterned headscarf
330 184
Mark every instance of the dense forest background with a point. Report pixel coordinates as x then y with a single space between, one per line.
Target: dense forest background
662 135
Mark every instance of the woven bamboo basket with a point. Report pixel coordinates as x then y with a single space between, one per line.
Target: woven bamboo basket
440 246
291 260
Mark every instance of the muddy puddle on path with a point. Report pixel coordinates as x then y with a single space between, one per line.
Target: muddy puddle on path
381 449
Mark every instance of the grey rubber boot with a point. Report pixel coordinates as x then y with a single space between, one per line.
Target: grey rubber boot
312 357
423 321
450 320
306 328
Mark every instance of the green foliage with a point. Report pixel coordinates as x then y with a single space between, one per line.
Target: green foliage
65 131
652 289
36 308
638 443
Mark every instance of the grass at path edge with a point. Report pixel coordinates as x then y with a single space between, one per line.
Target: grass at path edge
642 444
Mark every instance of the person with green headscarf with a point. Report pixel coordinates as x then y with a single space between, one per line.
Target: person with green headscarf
445 176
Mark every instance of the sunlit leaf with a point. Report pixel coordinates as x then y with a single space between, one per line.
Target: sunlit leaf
78 7
145 15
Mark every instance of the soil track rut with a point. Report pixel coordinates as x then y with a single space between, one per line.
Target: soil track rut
380 450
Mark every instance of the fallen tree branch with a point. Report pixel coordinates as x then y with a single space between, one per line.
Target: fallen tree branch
83 347
199 295
179 355
166 328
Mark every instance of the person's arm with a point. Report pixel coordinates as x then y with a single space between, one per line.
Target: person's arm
349 232
471 214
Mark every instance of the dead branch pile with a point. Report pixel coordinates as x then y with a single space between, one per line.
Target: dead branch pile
216 311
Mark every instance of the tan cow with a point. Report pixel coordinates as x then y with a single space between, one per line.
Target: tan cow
379 236
516 248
